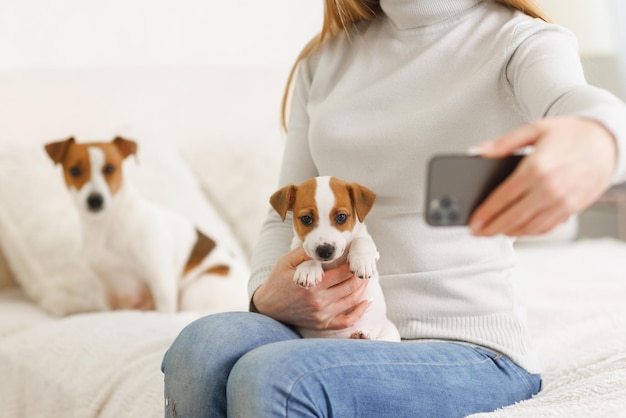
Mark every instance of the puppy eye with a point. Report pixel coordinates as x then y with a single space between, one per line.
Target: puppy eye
75 171
341 218
306 220
108 169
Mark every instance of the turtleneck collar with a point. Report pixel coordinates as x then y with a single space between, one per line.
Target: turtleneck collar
408 14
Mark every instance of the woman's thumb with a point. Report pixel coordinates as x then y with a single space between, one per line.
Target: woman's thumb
507 144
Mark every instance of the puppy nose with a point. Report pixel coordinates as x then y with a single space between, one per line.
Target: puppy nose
325 251
95 202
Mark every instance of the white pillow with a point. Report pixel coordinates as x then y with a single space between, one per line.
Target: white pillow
40 227
239 176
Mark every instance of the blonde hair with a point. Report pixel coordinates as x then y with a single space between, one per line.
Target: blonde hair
344 14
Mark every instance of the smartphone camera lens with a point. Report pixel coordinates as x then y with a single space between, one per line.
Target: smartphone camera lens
453 217
444 210
445 202
436 217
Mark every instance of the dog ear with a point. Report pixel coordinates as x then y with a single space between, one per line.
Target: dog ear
125 146
362 199
282 200
58 150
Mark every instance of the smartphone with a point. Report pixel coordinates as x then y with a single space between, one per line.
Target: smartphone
458 184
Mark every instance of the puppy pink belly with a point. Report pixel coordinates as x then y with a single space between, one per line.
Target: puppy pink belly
371 324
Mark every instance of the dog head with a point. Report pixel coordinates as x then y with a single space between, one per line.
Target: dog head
92 171
326 212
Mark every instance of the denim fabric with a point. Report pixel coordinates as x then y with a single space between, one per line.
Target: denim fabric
248 365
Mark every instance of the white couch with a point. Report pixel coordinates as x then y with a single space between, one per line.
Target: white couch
210 147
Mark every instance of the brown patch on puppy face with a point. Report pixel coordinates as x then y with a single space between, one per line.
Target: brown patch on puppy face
111 170
76 166
305 211
75 161
342 215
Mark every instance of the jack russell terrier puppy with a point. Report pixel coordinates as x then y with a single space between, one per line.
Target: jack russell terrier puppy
328 216
143 254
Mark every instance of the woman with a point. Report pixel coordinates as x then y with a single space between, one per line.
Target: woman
384 87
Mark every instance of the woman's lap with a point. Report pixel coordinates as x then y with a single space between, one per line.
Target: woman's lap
265 370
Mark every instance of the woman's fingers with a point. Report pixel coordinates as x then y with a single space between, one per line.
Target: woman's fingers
294 257
350 317
509 143
338 296
570 167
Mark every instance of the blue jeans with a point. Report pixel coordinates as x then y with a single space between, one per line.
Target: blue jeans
248 365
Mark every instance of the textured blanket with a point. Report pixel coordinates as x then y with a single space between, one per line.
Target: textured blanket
108 364
87 365
576 296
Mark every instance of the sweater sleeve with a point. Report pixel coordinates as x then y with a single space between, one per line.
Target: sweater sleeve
297 165
547 79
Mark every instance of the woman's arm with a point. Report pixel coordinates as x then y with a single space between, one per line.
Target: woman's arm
578 138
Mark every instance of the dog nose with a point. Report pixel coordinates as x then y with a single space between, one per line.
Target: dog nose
325 251
95 202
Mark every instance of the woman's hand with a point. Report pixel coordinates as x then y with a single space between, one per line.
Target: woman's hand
335 303
571 167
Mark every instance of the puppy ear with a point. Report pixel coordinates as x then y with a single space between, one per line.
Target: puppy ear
282 200
362 199
125 146
58 150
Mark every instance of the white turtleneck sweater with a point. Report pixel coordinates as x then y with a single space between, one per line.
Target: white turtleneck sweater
375 105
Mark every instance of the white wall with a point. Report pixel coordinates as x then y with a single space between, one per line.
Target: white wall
140 33
123 33
620 20
591 20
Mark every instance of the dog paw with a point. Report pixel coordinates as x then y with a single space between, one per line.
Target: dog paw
360 335
308 274
363 267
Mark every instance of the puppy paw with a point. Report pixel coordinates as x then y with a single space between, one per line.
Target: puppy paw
363 267
360 335
308 274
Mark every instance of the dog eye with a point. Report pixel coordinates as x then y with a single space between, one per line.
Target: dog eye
75 171
341 218
306 220
108 169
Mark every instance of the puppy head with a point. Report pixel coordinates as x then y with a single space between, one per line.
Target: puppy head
326 211
92 171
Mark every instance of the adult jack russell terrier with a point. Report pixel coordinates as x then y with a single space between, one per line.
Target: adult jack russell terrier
328 223
143 254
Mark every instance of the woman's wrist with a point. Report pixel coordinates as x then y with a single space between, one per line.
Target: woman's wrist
252 307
